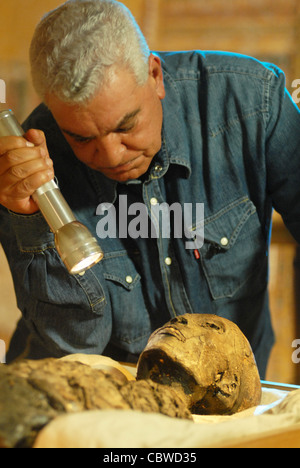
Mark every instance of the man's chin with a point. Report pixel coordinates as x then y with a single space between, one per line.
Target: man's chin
126 175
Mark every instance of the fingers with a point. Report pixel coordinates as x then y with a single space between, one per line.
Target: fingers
26 176
35 137
31 158
9 143
25 166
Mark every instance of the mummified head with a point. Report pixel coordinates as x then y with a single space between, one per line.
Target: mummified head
207 359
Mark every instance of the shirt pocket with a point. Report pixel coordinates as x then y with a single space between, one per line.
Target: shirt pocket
234 251
131 322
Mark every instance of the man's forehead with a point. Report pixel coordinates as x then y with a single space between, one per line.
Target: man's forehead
109 110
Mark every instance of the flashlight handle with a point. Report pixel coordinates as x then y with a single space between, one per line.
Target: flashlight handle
53 206
48 197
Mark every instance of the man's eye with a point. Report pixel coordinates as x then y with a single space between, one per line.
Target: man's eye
125 129
82 139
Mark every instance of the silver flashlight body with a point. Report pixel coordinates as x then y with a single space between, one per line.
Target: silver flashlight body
78 249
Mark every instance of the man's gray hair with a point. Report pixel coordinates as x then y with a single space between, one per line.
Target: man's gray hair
75 47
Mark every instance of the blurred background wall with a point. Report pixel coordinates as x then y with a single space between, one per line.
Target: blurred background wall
266 29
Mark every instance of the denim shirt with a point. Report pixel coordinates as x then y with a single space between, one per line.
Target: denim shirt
230 140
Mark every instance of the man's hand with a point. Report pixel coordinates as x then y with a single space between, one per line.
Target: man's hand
25 166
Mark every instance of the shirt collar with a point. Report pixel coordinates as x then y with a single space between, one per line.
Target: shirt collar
174 127
106 189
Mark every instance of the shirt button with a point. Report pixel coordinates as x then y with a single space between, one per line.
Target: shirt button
129 279
158 168
168 261
153 201
224 241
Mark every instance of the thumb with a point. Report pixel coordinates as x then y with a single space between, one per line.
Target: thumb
37 138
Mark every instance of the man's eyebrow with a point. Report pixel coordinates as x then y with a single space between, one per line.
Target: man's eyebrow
127 118
123 122
75 135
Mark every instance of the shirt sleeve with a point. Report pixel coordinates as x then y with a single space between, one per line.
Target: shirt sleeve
283 153
66 314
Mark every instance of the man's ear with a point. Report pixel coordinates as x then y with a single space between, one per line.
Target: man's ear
156 74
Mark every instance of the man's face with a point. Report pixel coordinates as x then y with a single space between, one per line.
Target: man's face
118 133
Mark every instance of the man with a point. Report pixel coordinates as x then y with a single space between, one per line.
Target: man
121 123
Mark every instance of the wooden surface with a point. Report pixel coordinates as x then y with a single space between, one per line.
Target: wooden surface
283 304
275 439
9 313
265 29
285 387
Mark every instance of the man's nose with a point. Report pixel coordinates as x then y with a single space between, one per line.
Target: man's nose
112 149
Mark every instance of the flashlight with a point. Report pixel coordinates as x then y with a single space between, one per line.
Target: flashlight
78 249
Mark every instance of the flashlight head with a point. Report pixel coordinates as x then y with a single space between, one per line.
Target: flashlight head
78 249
